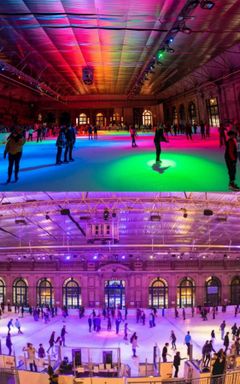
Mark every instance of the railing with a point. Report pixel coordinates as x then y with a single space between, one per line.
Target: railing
228 378
9 376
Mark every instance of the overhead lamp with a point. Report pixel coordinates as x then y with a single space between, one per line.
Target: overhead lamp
106 214
207 4
170 49
21 221
65 211
186 30
208 212
155 218
193 4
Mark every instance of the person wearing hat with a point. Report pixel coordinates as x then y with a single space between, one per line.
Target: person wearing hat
231 159
14 146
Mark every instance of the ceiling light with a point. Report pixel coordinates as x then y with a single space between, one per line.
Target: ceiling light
170 49
155 218
106 214
186 30
207 4
208 212
65 211
21 221
175 29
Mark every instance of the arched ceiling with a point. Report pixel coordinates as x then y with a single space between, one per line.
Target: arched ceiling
150 224
51 41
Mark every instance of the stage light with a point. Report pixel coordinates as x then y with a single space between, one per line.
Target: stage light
68 257
123 257
65 212
95 257
155 218
106 214
207 4
186 30
160 54
175 29
208 212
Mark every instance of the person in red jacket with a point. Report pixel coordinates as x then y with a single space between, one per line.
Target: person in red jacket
231 159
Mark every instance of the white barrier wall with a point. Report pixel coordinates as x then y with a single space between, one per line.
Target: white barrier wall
26 377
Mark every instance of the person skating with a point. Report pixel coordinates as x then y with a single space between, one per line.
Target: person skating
176 363
222 329
231 159
60 144
174 339
188 340
31 351
70 141
134 343
158 138
10 324
9 343
165 353
51 342
226 342
14 149
133 134
18 326
63 334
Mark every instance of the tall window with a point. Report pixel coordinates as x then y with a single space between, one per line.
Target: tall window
114 293
2 291
213 112
147 118
192 112
235 290
116 117
182 115
45 293
213 287
99 119
82 119
174 115
20 292
158 294
71 294
186 293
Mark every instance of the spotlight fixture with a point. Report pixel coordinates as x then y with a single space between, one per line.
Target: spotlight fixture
186 30
155 218
193 4
207 4
208 212
160 54
106 214
21 221
65 211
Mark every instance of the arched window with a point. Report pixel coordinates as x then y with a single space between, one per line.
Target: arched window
114 293
82 119
186 293
71 294
213 296
182 115
213 112
20 292
235 290
192 112
99 119
174 115
45 293
158 294
116 117
147 118
2 291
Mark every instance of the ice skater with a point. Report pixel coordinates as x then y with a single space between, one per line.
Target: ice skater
173 339
158 138
231 159
18 326
63 334
51 342
9 343
134 343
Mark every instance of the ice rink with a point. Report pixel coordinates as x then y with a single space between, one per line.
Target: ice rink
78 335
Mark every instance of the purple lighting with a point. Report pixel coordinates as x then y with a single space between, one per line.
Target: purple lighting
123 257
95 257
68 257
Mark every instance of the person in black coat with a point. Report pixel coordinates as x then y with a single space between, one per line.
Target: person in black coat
176 363
158 138
70 141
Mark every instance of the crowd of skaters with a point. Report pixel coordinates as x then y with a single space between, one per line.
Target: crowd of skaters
118 318
229 137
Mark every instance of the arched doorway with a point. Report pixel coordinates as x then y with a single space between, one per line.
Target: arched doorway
71 294
174 115
45 293
114 293
182 115
235 290
147 118
186 293
2 291
100 119
213 295
20 292
158 294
